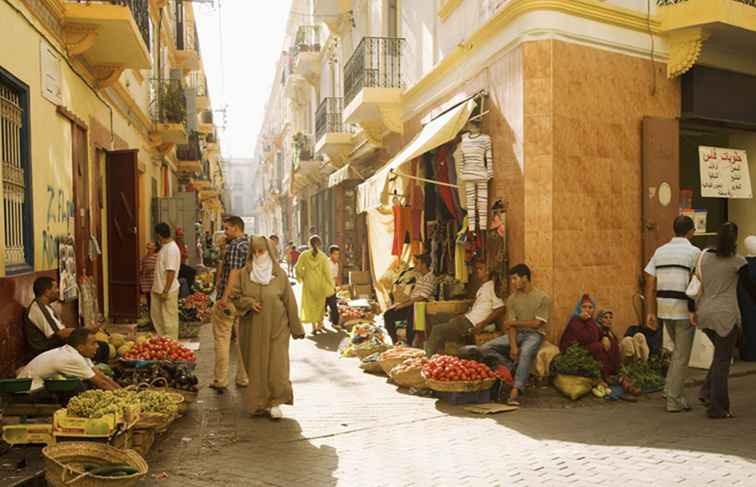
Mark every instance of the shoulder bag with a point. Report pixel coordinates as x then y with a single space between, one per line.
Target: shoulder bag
695 286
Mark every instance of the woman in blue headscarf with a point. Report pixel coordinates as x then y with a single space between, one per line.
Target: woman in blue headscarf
584 331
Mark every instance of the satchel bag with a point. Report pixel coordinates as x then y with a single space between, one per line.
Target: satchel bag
695 286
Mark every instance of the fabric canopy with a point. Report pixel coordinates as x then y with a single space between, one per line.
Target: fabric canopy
346 173
372 193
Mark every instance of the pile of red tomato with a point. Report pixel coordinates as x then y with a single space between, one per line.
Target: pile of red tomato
161 348
448 368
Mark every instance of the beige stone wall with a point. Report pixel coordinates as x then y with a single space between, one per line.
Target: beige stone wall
583 114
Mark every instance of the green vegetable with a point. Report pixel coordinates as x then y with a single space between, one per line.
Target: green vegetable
577 361
120 470
643 375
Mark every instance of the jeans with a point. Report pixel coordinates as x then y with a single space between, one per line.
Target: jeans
715 388
681 332
406 314
529 342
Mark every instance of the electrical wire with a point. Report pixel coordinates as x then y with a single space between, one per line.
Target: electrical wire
64 56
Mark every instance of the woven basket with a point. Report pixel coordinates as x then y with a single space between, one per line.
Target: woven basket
460 386
64 465
409 379
155 421
362 353
371 367
389 363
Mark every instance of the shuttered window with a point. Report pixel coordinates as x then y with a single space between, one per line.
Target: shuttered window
14 155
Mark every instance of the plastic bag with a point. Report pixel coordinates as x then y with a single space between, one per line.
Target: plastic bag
573 386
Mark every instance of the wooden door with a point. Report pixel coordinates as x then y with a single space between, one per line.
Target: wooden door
81 200
123 234
660 182
97 205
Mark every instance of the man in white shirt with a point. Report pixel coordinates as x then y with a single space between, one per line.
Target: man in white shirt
71 360
332 302
165 287
668 274
487 308
42 327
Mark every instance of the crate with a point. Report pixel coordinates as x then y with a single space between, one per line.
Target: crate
459 398
104 427
29 434
359 277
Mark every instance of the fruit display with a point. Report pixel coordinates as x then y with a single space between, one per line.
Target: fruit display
97 403
577 361
348 313
119 344
409 372
447 368
195 307
205 283
364 339
174 375
160 348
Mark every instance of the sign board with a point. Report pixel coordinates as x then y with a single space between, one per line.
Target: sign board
724 173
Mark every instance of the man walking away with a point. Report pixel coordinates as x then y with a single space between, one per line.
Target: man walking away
332 302
165 287
224 316
668 274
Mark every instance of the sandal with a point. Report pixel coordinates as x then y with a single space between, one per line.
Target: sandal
513 402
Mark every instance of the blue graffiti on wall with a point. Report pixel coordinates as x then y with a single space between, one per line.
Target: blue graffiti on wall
60 213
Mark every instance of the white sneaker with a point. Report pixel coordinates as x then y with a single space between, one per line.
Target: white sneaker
276 413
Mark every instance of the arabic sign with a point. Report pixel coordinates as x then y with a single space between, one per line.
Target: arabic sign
724 173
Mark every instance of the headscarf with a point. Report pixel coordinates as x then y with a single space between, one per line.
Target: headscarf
263 267
586 298
600 316
312 247
750 245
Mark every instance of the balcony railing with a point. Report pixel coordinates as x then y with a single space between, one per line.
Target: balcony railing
190 151
303 149
199 83
376 63
664 3
140 9
307 39
168 102
328 117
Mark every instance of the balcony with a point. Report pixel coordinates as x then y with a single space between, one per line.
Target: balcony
305 53
294 85
198 84
373 84
110 35
305 166
168 110
187 47
705 31
333 12
206 126
190 152
334 138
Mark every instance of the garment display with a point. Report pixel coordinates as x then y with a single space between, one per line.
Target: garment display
445 168
461 272
496 240
476 171
416 208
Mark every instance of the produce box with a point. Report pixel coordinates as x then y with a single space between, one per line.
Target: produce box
359 277
458 398
106 426
29 434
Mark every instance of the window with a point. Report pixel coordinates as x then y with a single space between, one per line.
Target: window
14 155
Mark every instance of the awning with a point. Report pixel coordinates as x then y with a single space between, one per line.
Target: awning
372 193
306 173
346 173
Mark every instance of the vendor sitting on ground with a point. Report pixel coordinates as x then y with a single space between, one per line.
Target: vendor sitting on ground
632 347
584 331
70 360
527 316
486 310
424 289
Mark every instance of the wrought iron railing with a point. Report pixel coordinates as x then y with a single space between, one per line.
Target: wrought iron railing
198 82
376 63
664 3
303 149
168 103
307 39
189 151
140 10
328 118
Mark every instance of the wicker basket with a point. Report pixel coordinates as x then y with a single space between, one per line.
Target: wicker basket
155 421
460 386
389 363
362 352
64 465
371 367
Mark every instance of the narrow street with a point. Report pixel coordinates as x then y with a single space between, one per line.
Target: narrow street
355 429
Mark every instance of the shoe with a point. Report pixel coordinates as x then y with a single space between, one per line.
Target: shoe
276 413
242 384
218 389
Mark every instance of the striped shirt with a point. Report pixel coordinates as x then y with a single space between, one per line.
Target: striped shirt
477 162
672 265
234 258
425 286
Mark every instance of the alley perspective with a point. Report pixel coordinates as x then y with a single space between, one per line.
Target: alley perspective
377 243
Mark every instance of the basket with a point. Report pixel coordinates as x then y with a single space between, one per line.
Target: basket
365 352
389 363
155 421
63 386
64 465
412 378
371 367
459 385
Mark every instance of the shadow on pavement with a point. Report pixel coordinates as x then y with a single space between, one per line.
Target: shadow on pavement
328 341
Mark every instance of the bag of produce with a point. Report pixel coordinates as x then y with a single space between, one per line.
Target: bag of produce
395 356
410 373
573 386
577 361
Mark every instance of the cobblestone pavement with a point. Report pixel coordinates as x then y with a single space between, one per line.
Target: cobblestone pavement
354 429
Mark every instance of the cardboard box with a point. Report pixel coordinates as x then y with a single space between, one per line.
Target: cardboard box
104 427
362 291
359 278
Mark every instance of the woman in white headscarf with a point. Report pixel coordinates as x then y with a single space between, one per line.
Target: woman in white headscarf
268 314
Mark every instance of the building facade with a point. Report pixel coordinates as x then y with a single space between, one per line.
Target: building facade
105 110
597 111
239 177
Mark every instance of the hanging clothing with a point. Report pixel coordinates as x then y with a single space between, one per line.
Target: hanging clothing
444 166
416 206
496 244
313 272
461 272
477 170
431 198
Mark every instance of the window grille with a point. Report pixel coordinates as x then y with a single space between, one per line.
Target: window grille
14 188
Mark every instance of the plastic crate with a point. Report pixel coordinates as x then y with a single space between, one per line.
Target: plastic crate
459 398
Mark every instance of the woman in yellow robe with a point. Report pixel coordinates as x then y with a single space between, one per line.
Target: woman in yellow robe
265 301
313 272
